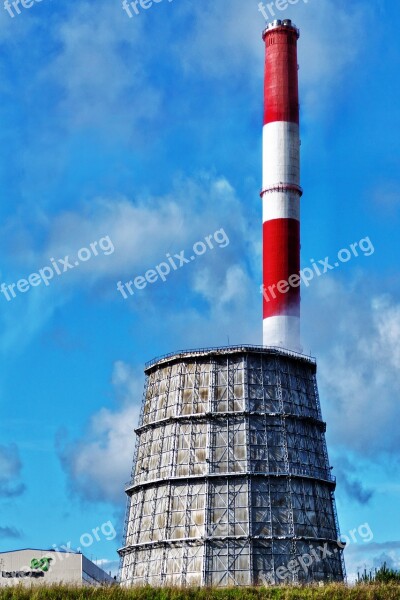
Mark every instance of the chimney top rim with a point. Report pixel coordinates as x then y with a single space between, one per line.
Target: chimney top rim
281 24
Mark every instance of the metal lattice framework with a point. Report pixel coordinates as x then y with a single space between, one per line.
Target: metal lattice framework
231 478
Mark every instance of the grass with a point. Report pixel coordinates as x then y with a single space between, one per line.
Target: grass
388 591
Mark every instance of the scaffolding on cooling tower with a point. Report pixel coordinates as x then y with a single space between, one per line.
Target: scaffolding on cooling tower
231 478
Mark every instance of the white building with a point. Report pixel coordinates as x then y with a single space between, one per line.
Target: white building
41 567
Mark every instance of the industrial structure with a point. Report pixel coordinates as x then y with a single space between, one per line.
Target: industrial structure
31 566
231 483
281 189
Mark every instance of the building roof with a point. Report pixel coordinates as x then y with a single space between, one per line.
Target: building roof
59 551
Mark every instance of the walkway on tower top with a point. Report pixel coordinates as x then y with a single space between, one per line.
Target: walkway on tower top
273 350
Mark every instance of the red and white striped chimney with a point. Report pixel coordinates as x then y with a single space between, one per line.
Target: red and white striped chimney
281 190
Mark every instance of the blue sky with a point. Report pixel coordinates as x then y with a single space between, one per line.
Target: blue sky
148 130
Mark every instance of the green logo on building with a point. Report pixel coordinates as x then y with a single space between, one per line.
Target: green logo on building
41 563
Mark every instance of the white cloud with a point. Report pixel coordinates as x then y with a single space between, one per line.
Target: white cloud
224 39
108 565
142 232
97 82
233 313
370 556
326 52
22 321
357 334
99 464
219 290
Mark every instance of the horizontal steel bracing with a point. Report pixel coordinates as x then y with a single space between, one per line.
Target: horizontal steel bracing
231 478
132 487
203 417
179 542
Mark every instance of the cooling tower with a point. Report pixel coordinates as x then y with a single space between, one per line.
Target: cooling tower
231 479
